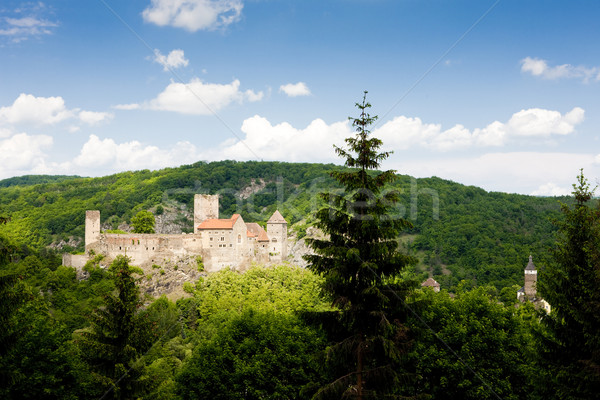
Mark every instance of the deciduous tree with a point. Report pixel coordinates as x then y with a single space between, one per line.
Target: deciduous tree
143 222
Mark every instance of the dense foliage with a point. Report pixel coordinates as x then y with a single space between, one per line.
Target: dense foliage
571 343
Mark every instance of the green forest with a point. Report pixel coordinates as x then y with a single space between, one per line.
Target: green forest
354 324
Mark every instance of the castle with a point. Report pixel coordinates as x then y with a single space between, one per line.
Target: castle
220 243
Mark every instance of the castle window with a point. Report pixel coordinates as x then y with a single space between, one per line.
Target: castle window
132 241
211 239
230 245
119 247
138 241
222 238
274 240
239 238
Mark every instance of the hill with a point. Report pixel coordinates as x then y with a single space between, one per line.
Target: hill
460 232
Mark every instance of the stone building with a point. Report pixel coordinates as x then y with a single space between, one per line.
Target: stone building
529 291
219 242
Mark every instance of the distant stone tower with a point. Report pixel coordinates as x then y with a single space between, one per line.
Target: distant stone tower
92 227
530 280
277 232
206 206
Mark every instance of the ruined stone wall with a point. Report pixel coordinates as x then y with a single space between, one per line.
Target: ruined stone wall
92 227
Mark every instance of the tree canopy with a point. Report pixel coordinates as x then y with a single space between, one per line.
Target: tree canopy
571 342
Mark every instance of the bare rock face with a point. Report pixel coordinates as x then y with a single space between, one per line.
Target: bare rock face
169 277
299 248
173 221
255 187
72 242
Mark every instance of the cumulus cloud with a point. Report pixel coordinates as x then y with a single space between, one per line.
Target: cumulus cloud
193 15
106 154
403 132
198 98
132 106
284 142
94 117
174 59
30 109
26 22
551 189
295 89
23 152
539 67
518 172
40 110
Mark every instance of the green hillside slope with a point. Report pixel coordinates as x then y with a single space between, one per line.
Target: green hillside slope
460 232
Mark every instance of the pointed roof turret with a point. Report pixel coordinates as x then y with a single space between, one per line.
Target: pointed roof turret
276 218
530 265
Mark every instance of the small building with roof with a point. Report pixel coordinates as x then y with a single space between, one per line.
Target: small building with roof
432 283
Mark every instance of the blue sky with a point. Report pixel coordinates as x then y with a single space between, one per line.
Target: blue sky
497 94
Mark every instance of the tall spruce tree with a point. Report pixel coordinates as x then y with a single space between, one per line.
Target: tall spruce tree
117 336
360 262
570 350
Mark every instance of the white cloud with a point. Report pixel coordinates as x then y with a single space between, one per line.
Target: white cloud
94 117
404 132
39 110
540 122
127 106
284 142
107 155
517 172
295 89
29 109
174 59
551 189
193 15
26 22
22 152
199 98
539 67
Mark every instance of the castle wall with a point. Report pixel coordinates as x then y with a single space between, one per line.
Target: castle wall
219 248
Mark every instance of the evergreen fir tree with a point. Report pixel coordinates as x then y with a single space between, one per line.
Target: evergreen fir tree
116 336
570 349
360 262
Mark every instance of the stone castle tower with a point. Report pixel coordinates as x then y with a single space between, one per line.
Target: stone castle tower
92 228
206 206
530 280
277 232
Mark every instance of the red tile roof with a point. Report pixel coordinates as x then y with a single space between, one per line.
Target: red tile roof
255 230
219 223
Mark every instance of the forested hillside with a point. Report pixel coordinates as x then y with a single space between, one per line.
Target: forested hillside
271 332
460 232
